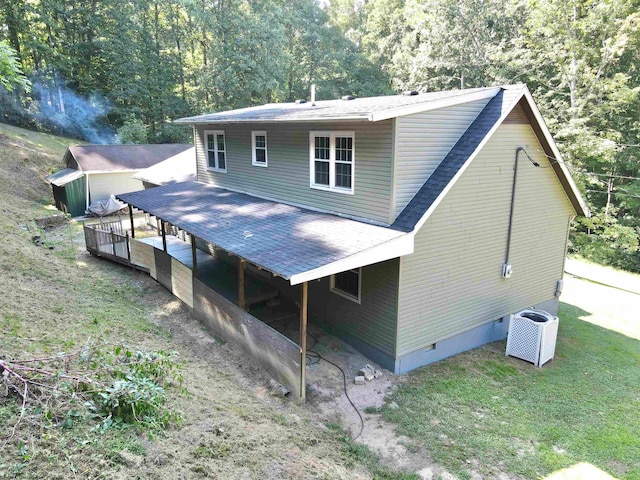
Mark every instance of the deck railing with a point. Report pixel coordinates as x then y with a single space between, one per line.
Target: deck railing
109 240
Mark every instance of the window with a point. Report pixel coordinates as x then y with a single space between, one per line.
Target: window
216 150
347 284
332 161
259 149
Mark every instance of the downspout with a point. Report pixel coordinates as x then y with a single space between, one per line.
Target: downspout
506 268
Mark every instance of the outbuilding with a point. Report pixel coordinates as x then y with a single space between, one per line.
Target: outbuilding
93 173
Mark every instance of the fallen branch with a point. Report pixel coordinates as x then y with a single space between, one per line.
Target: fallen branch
49 359
77 378
6 371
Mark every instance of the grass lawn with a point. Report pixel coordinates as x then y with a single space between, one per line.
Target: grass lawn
44 142
486 413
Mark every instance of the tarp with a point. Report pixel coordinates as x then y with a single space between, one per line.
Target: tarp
106 207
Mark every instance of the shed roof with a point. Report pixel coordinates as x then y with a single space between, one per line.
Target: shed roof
64 176
109 158
179 168
294 243
368 109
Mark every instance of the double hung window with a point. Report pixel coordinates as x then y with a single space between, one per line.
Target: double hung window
332 161
216 150
259 149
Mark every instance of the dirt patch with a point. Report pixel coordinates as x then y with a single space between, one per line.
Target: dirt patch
326 400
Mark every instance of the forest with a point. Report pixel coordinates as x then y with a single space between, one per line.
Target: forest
107 71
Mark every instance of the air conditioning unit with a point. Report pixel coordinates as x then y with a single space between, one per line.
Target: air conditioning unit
532 336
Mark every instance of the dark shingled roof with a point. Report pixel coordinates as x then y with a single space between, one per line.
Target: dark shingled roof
105 158
359 108
283 239
456 158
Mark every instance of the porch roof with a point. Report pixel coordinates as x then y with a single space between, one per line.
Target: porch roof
292 242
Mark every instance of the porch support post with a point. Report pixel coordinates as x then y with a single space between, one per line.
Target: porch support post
164 237
242 263
194 256
133 232
303 338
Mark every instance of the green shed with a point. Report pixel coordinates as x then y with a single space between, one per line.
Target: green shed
69 191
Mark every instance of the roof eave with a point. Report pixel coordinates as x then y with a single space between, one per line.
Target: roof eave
349 118
394 248
571 188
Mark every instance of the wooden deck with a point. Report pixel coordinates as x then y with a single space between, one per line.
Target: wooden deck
213 296
216 274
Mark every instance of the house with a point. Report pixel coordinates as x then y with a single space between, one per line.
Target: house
411 226
179 168
94 172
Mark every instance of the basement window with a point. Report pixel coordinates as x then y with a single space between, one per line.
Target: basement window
331 161
215 146
347 284
259 149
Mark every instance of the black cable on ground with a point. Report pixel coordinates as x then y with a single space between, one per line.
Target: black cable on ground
344 378
312 359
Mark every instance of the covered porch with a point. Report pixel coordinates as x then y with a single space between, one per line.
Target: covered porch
235 244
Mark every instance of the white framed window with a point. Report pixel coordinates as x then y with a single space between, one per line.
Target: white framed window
216 150
259 148
347 284
332 161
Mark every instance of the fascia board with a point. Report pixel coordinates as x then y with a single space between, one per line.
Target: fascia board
433 105
556 154
397 247
342 118
127 170
459 173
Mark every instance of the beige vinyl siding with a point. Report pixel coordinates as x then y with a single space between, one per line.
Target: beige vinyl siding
373 321
422 141
517 115
452 283
287 176
102 185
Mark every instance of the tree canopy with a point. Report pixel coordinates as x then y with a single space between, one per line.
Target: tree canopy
98 68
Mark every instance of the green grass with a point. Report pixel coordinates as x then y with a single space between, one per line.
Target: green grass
46 142
510 416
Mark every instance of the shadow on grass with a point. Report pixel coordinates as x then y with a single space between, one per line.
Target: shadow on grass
483 412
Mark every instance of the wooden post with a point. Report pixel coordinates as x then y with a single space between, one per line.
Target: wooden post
164 237
133 232
113 244
241 298
194 256
128 247
158 225
303 338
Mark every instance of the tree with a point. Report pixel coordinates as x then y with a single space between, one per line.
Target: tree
11 75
